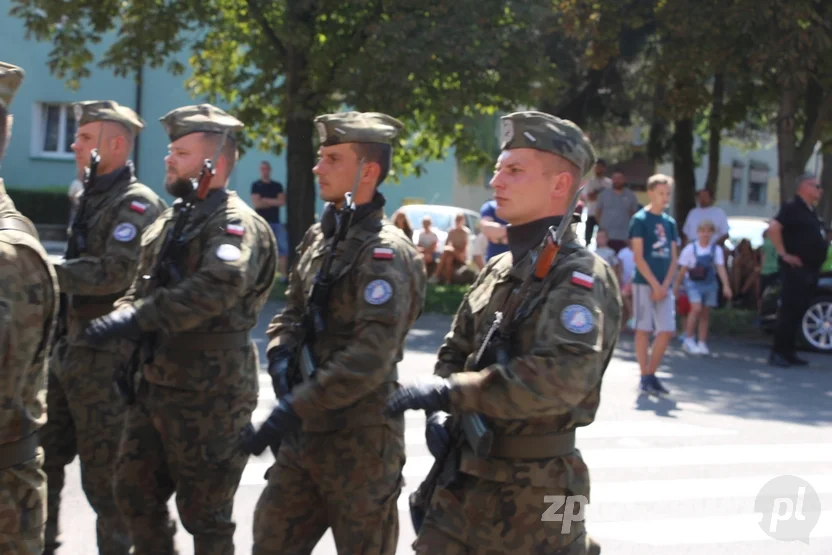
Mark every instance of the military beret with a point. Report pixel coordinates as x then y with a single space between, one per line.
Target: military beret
548 133
10 79
107 110
357 127
202 118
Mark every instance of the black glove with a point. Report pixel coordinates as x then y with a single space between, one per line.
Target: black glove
118 323
431 395
281 422
436 434
280 361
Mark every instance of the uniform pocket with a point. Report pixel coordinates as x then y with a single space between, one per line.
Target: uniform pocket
23 496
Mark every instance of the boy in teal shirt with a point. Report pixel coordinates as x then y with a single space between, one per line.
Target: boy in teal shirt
654 239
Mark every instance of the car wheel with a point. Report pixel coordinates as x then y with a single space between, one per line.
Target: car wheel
816 326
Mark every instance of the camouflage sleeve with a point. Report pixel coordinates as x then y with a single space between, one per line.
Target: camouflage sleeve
11 289
224 275
563 365
113 271
282 327
382 315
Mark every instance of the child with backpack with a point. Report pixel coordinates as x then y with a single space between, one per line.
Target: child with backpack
700 263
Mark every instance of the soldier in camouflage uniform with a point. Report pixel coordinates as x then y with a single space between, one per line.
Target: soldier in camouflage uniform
340 461
28 306
199 368
86 415
546 385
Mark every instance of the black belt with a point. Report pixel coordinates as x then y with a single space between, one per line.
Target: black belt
546 446
196 341
18 452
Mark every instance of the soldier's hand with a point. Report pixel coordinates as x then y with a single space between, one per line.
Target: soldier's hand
282 421
280 361
431 395
119 323
436 434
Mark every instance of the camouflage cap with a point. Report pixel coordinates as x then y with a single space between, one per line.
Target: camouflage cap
202 118
10 79
548 133
357 127
90 111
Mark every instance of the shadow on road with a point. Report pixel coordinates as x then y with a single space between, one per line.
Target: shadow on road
737 380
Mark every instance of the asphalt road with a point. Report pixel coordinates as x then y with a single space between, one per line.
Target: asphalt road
676 476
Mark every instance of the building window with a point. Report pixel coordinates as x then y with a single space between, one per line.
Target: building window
757 185
736 181
54 130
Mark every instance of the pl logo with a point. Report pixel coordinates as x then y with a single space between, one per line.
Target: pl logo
790 509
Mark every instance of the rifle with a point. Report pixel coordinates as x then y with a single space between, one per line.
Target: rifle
496 341
317 300
166 271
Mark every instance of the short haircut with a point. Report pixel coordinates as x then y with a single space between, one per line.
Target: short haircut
229 149
602 230
5 130
659 179
265 163
552 163
118 129
377 153
706 225
805 176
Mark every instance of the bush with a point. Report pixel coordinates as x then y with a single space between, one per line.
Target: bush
44 206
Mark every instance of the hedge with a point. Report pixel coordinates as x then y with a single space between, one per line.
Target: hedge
445 299
44 206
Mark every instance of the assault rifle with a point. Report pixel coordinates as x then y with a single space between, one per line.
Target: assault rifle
312 322
495 345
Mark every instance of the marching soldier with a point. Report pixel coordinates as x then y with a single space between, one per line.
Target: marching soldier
540 375
190 310
28 306
85 413
339 461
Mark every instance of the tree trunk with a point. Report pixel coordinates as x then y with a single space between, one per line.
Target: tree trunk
657 139
300 182
715 135
683 170
789 167
825 206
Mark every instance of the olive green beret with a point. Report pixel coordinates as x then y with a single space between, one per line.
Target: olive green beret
10 78
548 133
357 127
107 110
202 118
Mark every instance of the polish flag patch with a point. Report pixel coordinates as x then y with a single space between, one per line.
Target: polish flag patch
582 280
382 253
234 229
139 207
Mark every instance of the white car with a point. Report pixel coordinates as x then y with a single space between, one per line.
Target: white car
746 227
442 220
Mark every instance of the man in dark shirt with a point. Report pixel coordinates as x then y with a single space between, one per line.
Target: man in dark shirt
494 229
800 239
267 197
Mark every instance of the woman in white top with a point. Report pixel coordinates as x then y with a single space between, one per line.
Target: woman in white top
699 264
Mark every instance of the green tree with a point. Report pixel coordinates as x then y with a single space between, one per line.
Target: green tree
278 64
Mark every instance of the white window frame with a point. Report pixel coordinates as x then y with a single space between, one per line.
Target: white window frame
39 131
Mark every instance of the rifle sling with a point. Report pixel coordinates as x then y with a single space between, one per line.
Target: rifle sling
18 225
544 446
20 451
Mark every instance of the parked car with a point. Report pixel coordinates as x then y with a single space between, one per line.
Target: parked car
815 330
746 227
442 218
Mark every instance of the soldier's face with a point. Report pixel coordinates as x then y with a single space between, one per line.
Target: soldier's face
183 162
336 170
87 138
524 187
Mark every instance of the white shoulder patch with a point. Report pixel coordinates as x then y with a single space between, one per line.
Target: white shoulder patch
229 253
124 232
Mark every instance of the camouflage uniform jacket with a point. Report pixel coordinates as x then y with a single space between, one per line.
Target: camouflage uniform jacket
28 306
552 382
115 211
200 325
374 301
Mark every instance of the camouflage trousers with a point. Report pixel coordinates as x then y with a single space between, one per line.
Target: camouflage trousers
188 443
473 516
348 480
23 507
85 418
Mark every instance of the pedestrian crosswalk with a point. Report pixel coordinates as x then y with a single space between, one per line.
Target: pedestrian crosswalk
659 485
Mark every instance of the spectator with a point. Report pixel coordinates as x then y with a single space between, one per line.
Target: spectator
603 250
768 268
745 273
614 209
401 221
593 188
628 272
800 239
455 254
699 264
267 197
428 241
479 250
494 229
706 211
653 237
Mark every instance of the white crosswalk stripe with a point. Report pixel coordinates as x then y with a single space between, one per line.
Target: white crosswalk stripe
640 464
